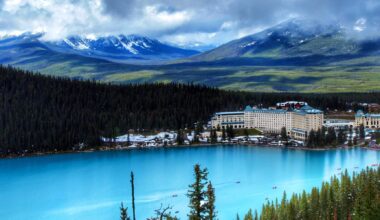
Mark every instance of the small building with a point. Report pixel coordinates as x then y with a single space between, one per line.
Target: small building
226 119
291 104
338 124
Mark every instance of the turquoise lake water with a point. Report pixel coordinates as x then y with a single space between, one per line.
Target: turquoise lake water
86 186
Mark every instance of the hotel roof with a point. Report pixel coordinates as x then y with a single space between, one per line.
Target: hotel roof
263 110
230 113
304 110
360 113
309 110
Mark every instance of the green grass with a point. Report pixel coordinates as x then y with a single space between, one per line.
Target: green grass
259 79
242 132
324 79
314 79
142 75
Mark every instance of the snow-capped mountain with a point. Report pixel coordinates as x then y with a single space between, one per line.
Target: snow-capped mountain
120 47
293 39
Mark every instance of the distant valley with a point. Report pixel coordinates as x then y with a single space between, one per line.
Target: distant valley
294 56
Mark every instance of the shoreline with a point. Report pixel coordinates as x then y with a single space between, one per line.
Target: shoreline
107 149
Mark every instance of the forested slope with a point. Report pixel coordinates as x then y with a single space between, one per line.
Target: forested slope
40 113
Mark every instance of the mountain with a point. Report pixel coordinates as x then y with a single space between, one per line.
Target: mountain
27 51
294 56
121 49
294 41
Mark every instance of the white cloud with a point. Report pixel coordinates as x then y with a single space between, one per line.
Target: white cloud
208 22
155 19
360 24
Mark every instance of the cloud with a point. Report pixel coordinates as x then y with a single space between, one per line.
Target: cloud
208 22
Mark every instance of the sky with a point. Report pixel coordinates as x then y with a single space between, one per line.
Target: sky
181 22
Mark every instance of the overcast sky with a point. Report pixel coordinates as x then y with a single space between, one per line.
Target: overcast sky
180 21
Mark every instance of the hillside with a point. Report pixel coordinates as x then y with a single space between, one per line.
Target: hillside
119 49
299 43
294 56
42 113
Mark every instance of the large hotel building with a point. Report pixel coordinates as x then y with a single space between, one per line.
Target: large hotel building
369 120
298 121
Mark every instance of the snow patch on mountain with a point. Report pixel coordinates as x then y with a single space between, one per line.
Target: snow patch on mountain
129 47
248 44
79 45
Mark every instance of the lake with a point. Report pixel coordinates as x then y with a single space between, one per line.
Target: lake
88 186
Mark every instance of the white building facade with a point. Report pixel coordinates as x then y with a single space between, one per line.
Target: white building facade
298 122
367 120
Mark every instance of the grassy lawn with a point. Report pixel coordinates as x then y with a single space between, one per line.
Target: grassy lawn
242 132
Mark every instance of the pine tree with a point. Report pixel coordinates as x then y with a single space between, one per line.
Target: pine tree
45 113
197 194
230 132
123 213
284 134
304 206
223 134
362 131
311 141
249 215
213 136
128 138
210 205
180 139
341 137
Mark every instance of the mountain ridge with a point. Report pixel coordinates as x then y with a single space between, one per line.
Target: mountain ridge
120 48
292 39
290 57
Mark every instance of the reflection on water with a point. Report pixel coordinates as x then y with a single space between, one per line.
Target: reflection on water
92 185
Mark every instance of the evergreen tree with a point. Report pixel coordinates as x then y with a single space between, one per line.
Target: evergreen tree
350 197
45 113
197 194
230 132
330 138
224 134
249 215
256 217
198 128
180 139
123 213
341 137
210 205
362 131
311 141
284 134
128 138
213 136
